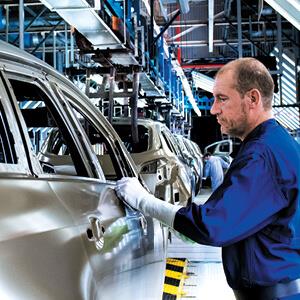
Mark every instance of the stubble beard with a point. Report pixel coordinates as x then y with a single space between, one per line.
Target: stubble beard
236 128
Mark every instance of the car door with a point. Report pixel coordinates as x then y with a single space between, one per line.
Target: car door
80 221
42 254
142 240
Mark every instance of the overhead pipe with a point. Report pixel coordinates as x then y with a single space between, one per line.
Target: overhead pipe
210 26
239 28
166 26
253 52
21 24
14 21
133 105
198 24
246 41
178 31
202 66
151 30
66 47
72 46
54 50
43 48
7 23
32 40
8 3
39 29
112 75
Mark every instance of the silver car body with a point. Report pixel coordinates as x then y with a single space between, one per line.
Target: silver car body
158 163
66 236
195 160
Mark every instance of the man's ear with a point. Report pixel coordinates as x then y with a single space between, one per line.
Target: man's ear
254 97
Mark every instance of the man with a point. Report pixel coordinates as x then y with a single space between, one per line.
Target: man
254 215
214 168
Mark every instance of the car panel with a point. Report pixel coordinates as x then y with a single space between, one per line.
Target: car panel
172 178
51 235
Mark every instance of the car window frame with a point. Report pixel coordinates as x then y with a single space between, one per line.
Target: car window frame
35 77
22 166
125 167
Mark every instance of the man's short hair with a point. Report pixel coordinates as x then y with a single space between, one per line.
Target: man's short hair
250 74
206 154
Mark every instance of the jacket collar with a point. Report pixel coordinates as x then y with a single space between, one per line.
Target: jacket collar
260 129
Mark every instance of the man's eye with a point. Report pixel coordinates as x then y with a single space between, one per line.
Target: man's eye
221 99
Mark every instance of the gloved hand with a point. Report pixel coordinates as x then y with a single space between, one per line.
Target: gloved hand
131 191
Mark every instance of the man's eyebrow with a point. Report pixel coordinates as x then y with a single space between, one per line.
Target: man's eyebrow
219 95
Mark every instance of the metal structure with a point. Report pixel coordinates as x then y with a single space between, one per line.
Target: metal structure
164 40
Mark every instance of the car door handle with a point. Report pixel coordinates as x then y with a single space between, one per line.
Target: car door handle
95 232
142 219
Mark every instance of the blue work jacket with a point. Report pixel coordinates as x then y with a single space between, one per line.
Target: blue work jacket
255 214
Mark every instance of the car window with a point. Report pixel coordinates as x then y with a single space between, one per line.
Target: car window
124 132
224 148
50 139
168 142
110 156
172 143
101 147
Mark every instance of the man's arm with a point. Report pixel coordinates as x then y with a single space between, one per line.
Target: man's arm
225 165
247 201
131 191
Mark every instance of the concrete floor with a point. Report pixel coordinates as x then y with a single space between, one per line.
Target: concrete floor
207 280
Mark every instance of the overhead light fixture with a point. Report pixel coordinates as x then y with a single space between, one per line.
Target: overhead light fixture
203 82
186 86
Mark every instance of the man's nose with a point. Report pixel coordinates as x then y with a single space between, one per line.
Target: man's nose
215 109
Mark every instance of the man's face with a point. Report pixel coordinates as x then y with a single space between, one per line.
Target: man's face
230 109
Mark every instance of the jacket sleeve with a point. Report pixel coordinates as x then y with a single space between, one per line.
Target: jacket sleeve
207 169
225 165
247 201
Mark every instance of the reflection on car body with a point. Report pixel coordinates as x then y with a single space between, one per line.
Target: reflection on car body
64 234
193 160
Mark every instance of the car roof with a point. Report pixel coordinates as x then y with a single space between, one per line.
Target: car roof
12 53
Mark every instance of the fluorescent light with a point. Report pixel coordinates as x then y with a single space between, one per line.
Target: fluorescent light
203 82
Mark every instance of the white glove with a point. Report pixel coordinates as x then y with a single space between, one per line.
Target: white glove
131 191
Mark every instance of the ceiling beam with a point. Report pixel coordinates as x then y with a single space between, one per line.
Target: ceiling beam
289 9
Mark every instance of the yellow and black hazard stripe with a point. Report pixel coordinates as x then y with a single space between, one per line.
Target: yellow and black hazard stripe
174 277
